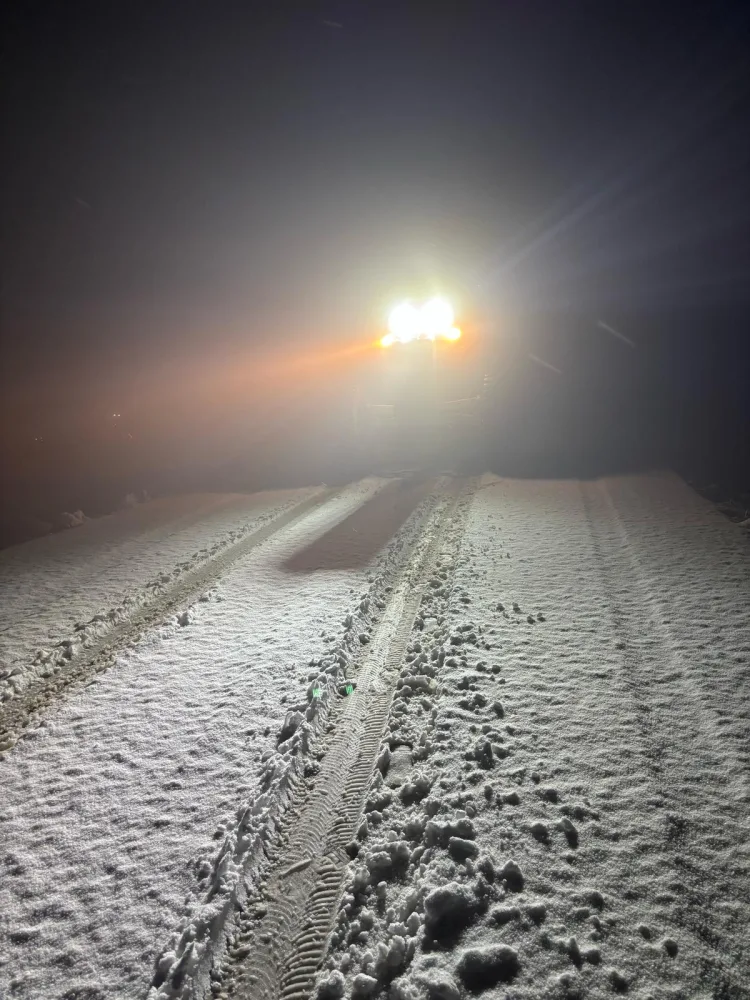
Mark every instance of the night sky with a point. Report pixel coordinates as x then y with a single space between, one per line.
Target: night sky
190 185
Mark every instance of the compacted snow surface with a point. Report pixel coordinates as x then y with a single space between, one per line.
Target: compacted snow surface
66 588
560 804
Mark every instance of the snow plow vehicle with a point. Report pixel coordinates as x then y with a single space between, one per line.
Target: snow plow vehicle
422 401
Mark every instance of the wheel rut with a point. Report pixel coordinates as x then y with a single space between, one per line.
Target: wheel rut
279 957
679 744
44 694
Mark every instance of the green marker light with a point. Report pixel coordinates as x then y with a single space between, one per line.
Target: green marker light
349 688
316 692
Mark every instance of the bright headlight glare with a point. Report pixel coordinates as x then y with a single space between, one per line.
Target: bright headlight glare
405 322
436 318
433 320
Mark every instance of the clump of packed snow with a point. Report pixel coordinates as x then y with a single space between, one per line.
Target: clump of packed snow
133 499
74 520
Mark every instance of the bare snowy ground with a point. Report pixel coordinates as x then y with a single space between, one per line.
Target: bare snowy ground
62 591
554 803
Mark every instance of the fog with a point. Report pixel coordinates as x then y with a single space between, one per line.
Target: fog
206 219
566 398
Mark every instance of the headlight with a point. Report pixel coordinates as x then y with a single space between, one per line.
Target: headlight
405 322
436 318
431 321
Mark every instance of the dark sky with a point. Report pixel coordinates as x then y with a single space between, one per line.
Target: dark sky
187 181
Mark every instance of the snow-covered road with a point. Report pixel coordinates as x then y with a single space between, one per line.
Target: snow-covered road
546 728
64 590
584 830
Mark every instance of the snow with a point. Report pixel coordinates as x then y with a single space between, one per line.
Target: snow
52 588
585 831
114 810
74 520
560 802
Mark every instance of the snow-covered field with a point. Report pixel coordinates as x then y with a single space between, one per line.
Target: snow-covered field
535 785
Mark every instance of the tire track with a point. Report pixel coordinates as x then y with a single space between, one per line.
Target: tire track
43 694
679 743
278 958
697 624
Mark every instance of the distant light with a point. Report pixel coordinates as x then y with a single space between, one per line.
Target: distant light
405 322
431 321
437 318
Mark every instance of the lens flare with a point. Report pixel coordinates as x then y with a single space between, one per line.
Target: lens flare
453 334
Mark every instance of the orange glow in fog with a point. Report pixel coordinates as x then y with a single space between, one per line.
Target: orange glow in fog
453 334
